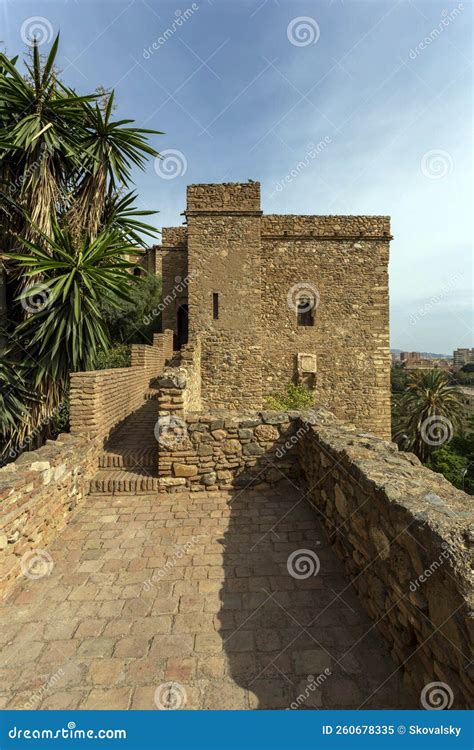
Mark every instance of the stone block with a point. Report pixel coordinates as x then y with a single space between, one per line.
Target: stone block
185 470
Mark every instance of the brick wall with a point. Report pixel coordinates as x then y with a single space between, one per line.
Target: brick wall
41 488
101 399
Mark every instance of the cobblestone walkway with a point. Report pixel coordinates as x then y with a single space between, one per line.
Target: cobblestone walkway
192 590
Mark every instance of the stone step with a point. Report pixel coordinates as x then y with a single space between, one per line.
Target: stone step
122 482
146 458
152 394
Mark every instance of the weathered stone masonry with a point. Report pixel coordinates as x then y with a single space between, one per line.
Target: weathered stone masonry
259 267
404 534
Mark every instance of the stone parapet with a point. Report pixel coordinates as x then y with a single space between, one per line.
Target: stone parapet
405 536
222 450
224 197
38 493
325 227
174 237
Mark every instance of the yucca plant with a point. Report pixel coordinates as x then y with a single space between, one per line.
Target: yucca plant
15 398
110 149
68 223
65 330
429 412
41 123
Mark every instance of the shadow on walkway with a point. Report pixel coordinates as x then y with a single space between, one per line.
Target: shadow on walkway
293 629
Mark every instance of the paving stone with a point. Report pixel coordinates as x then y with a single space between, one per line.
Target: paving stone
312 662
90 628
342 691
144 699
207 623
135 646
62 700
106 672
225 695
99 699
91 647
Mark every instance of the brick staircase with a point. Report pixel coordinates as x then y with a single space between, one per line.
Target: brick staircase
129 462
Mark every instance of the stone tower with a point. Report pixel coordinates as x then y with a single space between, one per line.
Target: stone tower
281 298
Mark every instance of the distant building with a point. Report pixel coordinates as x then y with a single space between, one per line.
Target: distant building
426 364
463 357
415 361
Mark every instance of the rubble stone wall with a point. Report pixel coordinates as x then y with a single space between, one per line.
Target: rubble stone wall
348 280
405 536
224 450
224 250
38 493
260 267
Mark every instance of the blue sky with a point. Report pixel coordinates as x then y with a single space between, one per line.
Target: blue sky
248 89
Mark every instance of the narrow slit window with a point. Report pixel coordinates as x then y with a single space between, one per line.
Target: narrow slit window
305 312
215 306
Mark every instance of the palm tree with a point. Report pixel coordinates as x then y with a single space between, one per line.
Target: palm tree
429 412
68 223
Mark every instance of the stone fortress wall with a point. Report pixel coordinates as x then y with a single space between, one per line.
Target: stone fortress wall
223 242
259 266
404 533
